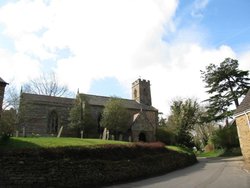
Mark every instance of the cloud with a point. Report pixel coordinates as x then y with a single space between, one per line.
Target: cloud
93 39
17 66
198 7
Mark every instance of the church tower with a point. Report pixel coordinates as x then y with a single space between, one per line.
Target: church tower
141 92
2 88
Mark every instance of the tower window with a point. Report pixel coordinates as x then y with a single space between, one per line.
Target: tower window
135 93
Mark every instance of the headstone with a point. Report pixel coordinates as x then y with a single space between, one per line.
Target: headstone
17 133
81 134
129 139
104 134
107 134
120 137
60 132
112 137
24 133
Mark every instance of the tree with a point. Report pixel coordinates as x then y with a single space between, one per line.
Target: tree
80 118
11 97
184 115
226 83
115 117
225 137
7 123
46 84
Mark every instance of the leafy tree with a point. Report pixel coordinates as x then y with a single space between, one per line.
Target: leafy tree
225 137
226 83
76 115
165 135
115 117
203 132
184 115
46 84
81 119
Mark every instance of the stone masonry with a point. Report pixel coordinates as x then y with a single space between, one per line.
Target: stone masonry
242 115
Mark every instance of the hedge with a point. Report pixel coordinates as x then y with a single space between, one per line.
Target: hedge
88 167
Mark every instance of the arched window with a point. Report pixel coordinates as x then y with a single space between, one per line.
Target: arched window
53 122
135 94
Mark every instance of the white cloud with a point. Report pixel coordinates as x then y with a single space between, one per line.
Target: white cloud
17 67
198 7
109 38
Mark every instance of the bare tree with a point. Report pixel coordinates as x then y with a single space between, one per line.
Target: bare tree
46 84
11 97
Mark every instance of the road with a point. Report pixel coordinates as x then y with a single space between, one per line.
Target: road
208 173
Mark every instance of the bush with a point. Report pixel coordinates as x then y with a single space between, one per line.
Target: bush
225 137
166 136
88 167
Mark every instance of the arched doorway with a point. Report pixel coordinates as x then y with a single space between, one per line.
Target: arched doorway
53 122
142 137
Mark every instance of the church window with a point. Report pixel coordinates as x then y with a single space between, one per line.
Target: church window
53 122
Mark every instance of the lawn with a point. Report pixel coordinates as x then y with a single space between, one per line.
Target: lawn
46 142
215 153
180 149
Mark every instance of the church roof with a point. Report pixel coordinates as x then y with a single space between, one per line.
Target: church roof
93 100
96 100
46 99
244 105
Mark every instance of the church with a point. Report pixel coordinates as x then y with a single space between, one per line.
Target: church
45 115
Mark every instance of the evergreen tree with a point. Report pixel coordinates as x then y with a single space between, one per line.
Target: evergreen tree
226 84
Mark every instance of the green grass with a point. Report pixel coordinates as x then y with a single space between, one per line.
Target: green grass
46 142
179 149
221 153
215 153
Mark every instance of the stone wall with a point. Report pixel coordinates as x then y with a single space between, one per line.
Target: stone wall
243 130
34 116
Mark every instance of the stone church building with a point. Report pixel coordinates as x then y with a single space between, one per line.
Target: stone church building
45 115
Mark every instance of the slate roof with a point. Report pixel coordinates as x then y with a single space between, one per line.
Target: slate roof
93 100
244 105
96 100
46 99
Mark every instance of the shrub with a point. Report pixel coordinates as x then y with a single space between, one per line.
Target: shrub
166 136
88 167
225 137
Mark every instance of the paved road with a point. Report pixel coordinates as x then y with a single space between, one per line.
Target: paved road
208 173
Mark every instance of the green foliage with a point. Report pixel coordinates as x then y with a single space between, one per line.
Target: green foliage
81 119
88 167
226 83
225 137
184 115
163 134
215 153
115 117
203 132
7 123
76 115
